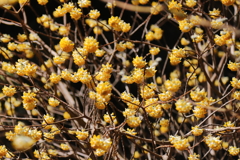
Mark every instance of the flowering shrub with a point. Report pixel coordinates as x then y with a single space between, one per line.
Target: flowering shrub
106 79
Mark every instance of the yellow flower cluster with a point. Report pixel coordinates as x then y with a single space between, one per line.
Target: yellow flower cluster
184 41
164 124
82 135
194 157
55 130
98 27
42 2
53 102
217 23
228 2
76 13
191 3
235 83
100 144
183 106
154 51
118 25
236 95
110 118
155 33
23 67
105 73
48 119
129 113
213 142
51 152
234 151
176 9
43 155
215 13
174 5
83 76
174 60
22 37
61 11
58 59
5 38
47 22
121 46
9 91
197 38
79 56
185 25
131 132
200 110
12 46
99 53
6 53
195 72
179 143
22 47
143 1
66 75
229 124
22 143
166 106
48 136
139 74
172 85
5 153
179 53
225 38
233 66
102 95
48 64
165 96
156 8
29 100
54 78
90 44
138 62
66 44
153 108
196 131
133 121
198 95
94 14
147 91
22 2
84 3
132 102
64 147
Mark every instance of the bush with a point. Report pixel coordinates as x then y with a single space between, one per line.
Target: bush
119 80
